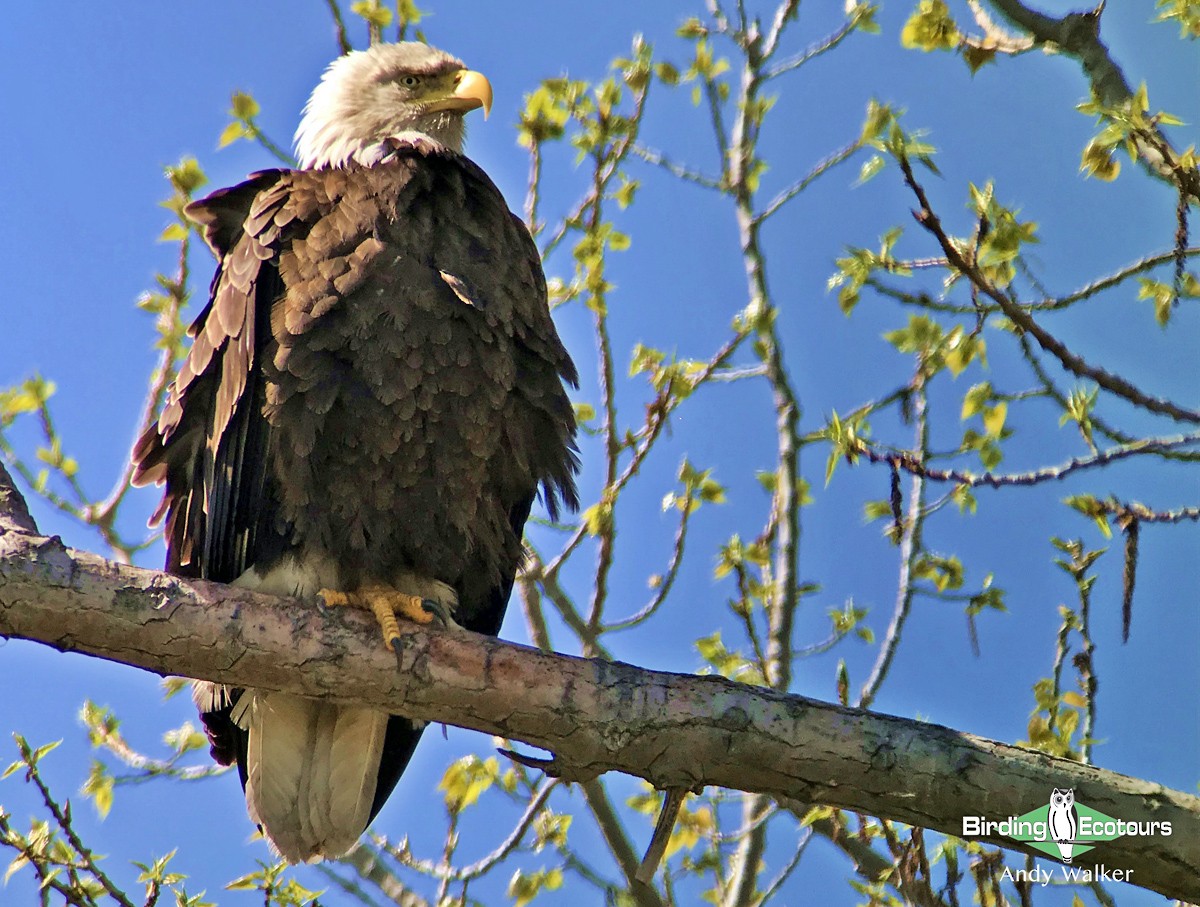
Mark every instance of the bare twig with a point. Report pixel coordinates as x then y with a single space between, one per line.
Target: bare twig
669 811
339 27
909 552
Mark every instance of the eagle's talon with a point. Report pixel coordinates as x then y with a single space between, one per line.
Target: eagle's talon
386 617
382 601
333 598
437 611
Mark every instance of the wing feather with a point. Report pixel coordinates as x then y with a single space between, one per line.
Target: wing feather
211 443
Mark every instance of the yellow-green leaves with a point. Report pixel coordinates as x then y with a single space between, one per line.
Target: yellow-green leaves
600 121
674 377
845 440
186 176
729 664
244 106
30 756
584 413
994 417
278 891
598 517
409 13
699 487
637 69
624 193
1055 738
870 169
921 335
1099 160
861 15
735 554
1056 721
961 349
882 130
964 498
27 397
975 399
1165 295
99 787
944 571
550 830
373 12
690 827
930 27
667 73
1080 403
1001 243
849 619
981 400
1093 507
597 110
705 68
156 873
989 597
937 349
185 738
547 110
1185 12
1125 125
32 396
54 457
879 118
466 779
243 110
858 267
842 684
523 887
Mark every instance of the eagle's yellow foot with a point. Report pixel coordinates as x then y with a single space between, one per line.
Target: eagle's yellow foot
385 603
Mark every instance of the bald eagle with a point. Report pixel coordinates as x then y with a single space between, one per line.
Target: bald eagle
372 399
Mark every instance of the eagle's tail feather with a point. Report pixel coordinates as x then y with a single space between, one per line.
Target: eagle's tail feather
354 770
311 771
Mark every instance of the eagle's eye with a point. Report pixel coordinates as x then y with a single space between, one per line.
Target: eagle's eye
410 81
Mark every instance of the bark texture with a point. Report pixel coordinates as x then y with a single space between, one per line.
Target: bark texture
595 716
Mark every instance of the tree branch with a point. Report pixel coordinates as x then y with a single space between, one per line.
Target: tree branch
1075 364
595 716
1078 35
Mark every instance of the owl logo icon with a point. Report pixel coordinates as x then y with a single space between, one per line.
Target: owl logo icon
1063 821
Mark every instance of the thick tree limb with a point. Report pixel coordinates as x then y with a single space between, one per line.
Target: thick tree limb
676 731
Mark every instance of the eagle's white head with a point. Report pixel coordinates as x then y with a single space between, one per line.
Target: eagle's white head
388 91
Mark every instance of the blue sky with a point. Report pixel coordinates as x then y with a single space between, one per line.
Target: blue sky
97 104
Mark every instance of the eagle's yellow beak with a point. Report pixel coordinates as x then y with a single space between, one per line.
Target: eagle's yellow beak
471 90
474 86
